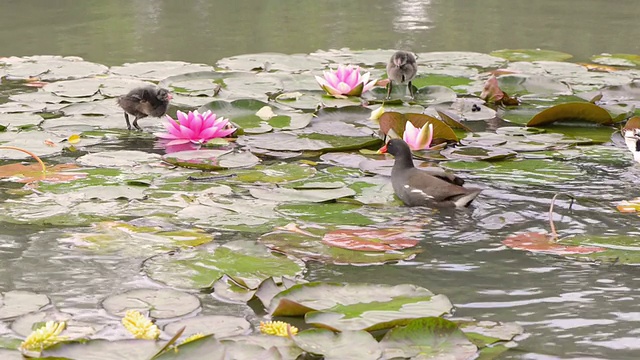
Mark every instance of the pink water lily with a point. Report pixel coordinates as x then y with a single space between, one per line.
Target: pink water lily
346 80
195 127
418 139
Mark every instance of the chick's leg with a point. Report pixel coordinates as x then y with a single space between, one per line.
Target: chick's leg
126 118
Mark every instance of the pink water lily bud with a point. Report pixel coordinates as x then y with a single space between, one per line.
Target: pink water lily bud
346 81
195 127
418 139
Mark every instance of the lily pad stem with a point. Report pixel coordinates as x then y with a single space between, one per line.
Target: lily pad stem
554 234
42 165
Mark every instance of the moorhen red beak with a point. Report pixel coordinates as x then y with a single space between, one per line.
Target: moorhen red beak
424 188
144 101
402 68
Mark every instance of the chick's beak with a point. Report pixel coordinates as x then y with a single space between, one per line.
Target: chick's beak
383 150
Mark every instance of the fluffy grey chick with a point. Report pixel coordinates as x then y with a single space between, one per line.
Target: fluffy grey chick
402 68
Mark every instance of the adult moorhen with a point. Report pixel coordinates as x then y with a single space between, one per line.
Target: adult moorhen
144 101
424 188
402 68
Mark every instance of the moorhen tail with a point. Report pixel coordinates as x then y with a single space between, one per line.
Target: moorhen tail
416 187
144 101
402 68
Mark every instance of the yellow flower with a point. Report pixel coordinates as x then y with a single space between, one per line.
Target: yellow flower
375 114
44 336
140 326
278 328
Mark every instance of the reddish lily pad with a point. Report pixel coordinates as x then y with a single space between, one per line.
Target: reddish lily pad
544 243
585 112
371 239
33 172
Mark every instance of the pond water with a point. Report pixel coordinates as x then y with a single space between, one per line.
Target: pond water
569 309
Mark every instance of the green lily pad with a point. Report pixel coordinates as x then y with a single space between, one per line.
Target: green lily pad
285 348
312 195
435 94
585 112
272 62
250 115
74 329
111 236
346 345
118 158
47 67
314 296
285 141
211 159
158 70
618 249
330 213
159 303
15 303
200 267
617 59
460 58
427 338
531 55
275 173
477 153
519 84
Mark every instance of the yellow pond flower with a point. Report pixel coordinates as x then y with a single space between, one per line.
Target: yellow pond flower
140 326
278 328
44 336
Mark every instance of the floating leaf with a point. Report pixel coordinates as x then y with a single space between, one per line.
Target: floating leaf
477 153
586 112
220 325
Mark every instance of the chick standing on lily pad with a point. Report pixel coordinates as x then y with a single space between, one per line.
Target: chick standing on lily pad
402 68
144 101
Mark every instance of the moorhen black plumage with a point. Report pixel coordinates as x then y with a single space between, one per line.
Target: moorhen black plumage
416 187
144 101
402 68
